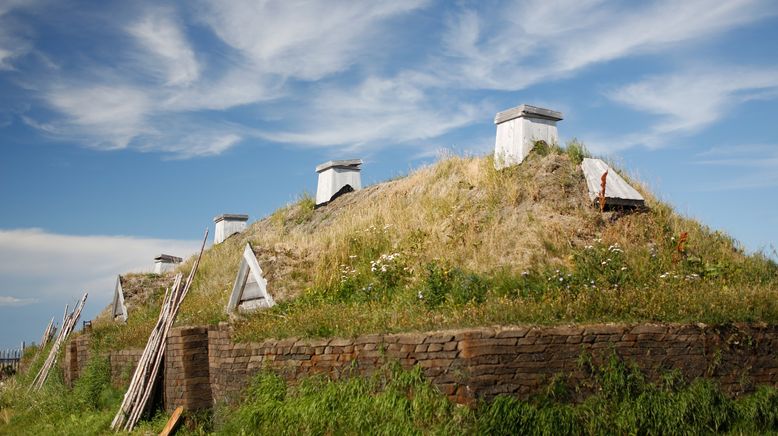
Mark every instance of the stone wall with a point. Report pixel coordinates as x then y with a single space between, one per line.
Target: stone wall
187 382
69 363
203 365
82 350
123 363
485 362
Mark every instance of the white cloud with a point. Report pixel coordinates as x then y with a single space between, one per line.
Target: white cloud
750 166
520 43
302 39
47 266
13 44
352 78
160 34
377 111
16 302
111 115
690 101
210 142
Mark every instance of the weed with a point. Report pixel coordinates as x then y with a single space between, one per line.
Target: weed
576 151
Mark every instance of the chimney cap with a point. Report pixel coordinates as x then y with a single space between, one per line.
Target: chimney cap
528 111
231 217
352 164
166 258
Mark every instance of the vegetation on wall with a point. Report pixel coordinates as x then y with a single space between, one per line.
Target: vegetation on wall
402 402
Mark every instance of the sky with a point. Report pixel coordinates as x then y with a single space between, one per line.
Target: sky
125 127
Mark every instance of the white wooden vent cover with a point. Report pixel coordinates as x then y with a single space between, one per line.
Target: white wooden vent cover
119 308
250 289
617 191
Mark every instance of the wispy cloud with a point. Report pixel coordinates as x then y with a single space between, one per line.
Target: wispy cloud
686 102
520 43
751 166
346 75
161 35
273 42
6 301
14 42
301 39
378 110
46 266
111 115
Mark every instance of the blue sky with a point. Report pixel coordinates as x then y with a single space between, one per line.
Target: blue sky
125 127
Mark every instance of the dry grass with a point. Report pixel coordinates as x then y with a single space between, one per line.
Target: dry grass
502 227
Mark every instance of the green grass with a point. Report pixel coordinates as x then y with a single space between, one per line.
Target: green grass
86 409
396 401
402 402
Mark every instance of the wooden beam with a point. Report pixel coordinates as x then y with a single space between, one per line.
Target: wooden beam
172 423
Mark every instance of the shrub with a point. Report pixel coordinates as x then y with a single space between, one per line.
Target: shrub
576 151
452 285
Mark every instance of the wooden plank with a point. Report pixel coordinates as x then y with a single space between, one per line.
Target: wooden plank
172 423
617 191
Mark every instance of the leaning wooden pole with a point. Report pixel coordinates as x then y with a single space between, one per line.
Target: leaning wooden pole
144 380
69 322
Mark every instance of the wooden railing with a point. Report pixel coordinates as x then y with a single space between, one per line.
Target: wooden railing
9 361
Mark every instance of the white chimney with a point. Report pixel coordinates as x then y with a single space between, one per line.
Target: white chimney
517 131
227 225
337 177
165 262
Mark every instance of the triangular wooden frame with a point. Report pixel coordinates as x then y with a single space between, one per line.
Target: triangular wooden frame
119 309
249 270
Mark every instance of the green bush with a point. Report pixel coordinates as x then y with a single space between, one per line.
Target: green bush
452 285
576 151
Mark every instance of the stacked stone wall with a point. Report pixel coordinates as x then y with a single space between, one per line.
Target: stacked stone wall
204 365
123 363
521 361
82 351
187 380
69 363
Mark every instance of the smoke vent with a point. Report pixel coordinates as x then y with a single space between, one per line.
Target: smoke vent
517 131
227 225
165 262
336 178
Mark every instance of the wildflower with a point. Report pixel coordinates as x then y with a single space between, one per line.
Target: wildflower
421 296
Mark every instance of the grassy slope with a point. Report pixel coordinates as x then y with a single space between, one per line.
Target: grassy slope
464 244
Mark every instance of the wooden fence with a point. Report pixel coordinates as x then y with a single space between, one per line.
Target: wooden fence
9 361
